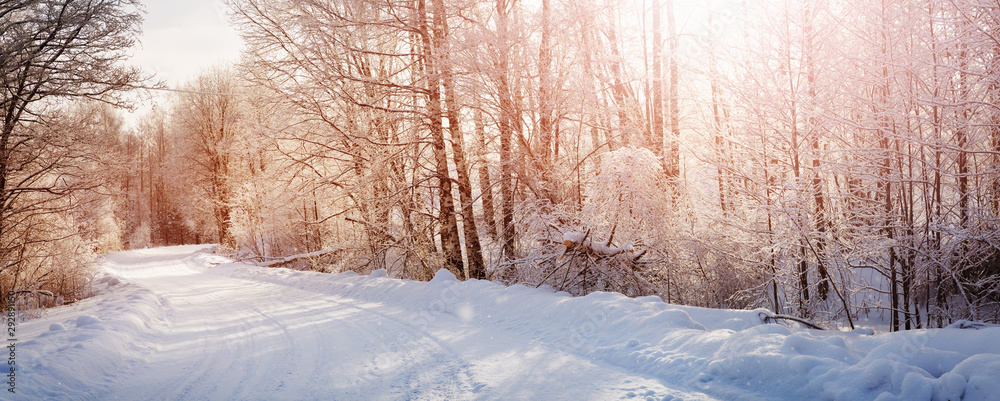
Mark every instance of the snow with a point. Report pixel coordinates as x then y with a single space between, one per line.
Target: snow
182 323
582 240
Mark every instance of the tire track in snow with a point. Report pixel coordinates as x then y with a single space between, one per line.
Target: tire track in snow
228 326
235 335
193 383
246 352
422 349
404 355
206 333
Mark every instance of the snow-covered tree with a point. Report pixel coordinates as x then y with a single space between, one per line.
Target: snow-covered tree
52 52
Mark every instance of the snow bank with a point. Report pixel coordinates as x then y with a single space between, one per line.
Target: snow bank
80 348
725 353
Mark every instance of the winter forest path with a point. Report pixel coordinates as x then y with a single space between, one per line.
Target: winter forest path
226 336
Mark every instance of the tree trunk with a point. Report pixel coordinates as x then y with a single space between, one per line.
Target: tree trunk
476 268
803 264
447 221
485 182
619 87
223 209
507 116
819 208
962 142
995 145
672 156
717 120
885 128
656 109
546 91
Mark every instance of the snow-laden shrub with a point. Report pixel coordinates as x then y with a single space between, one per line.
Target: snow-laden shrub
629 192
265 222
601 245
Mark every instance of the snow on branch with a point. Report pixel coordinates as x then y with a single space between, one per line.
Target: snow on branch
33 292
293 258
581 263
576 241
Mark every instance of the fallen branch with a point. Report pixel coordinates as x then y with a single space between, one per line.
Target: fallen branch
43 292
293 258
769 318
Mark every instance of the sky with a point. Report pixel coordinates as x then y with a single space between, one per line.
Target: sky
182 38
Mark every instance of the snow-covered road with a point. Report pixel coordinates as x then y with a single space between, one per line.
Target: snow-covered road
182 323
201 333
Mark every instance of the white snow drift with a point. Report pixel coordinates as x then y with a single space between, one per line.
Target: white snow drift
181 323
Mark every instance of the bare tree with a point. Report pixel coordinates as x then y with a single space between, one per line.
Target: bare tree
507 121
52 50
475 268
208 115
844 139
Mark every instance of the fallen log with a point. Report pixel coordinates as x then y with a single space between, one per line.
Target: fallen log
293 258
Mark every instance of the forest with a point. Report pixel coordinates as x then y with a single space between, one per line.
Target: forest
833 160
